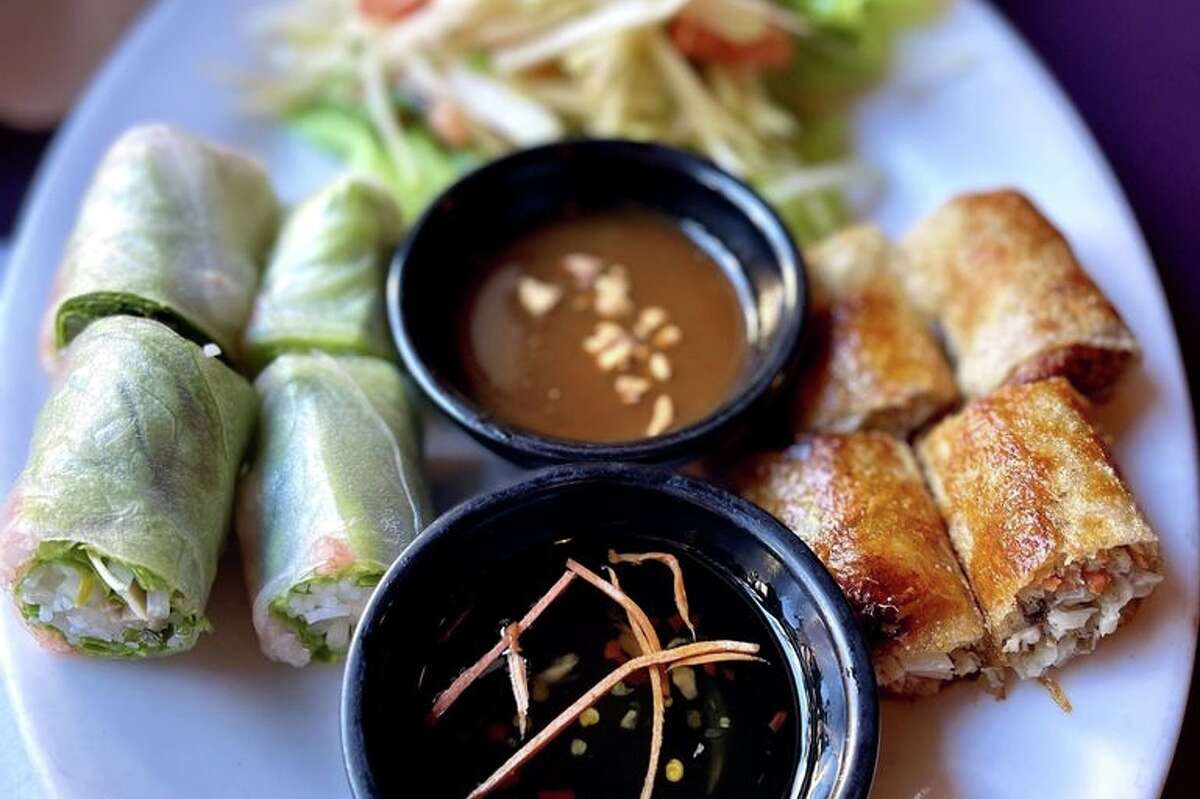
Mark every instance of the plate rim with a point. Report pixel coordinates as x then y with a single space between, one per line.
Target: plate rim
37 202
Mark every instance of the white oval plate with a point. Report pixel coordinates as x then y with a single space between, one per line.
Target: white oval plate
967 107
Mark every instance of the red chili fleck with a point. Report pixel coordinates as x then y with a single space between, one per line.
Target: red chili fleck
614 652
639 677
778 720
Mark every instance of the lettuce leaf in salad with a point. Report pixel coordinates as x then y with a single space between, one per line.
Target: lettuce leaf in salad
347 132
849 50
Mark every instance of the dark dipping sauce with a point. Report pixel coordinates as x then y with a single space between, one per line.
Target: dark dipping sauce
738 737
580 329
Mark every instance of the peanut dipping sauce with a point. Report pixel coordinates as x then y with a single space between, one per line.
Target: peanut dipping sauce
603 327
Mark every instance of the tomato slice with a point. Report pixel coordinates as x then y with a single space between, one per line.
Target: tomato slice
771 50
387 10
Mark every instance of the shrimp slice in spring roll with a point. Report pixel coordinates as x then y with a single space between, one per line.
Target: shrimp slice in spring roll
110 537
1049 536
858 501
323 287
334 494
875 363
1013 303
172 228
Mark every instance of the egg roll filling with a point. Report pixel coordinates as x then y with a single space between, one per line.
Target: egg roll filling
101 605
315 618
1066 613
924 673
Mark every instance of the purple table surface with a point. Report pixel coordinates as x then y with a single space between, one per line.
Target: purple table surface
1133 71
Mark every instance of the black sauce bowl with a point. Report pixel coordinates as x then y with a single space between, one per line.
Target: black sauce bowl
805 617
498 202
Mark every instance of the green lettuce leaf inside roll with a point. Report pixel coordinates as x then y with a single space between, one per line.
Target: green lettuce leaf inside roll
173 229
323 287
334 495
110 538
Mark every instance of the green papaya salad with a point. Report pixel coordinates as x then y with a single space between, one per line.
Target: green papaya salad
415 91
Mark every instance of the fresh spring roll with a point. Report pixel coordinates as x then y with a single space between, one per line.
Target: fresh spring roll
174 229
110 537
875 364
323 287
334 494
1049 536
858 501
1013 303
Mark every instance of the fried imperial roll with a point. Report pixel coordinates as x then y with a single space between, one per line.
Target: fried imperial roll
335 492
875 364
858 501
173 229
1013 303
110 537
323 287
1051 540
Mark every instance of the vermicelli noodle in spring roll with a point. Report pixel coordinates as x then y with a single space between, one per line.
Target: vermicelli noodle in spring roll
110 537
172 228
334 495
875 364
323 286
1013 303
1050 538
858 501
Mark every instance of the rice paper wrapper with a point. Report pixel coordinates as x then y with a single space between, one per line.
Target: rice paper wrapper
134 456
172 228
336 487
323 287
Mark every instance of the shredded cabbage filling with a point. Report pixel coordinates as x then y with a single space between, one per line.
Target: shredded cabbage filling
923 673
1067 613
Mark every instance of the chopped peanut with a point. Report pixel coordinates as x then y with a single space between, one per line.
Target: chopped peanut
616 355
607 334
630 388
582 268
537 296
662 416
612 293
650 319
668 337
660 367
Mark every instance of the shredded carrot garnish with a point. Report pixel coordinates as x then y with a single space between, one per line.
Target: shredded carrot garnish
656 695
672 563
652 662
703 659
517 676
568 716
464 680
